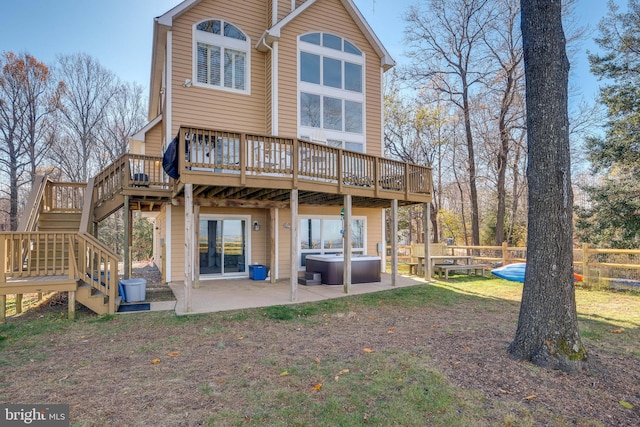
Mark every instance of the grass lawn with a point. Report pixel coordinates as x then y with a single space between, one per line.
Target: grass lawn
429 355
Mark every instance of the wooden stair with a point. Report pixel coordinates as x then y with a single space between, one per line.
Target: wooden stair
59 221
94 299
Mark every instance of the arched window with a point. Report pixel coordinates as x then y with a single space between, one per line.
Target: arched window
331 90
221 55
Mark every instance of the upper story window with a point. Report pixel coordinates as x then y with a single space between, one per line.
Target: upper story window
221 56
331 90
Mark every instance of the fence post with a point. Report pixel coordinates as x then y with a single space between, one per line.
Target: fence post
585 264
505 253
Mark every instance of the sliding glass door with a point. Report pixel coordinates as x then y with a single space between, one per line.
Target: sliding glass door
223 246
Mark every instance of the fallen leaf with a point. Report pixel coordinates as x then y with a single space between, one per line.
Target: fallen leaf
530 397
221 380
317 387
344 371
391 330
173 353
435 325
240 337
503 391
317 360
284 373
336 378
617 331
367 350
626 404
155 361
466 347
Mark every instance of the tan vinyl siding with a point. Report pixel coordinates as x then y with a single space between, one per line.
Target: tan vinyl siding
177 244
269 93
284 8
213 108
328 16
374 230
153 141
160 239
259 239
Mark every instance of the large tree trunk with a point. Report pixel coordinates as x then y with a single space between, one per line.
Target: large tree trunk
547 332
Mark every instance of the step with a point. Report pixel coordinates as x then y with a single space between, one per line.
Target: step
94 299
312 275
309 282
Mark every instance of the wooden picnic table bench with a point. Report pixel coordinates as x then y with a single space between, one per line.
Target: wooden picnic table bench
445 268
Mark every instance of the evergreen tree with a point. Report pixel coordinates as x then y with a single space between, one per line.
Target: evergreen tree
613 219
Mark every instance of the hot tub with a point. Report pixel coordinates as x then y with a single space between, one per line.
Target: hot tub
364 268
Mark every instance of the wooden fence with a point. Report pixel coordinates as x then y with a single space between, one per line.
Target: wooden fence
600 268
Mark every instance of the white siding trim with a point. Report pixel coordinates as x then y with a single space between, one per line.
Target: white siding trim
274 12
277 242
383 255
167 243
168 89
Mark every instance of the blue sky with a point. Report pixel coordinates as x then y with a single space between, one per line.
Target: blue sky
118 32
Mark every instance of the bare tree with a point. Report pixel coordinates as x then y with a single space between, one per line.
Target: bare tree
88 93
504 43
547 332
26 100
447 47
416 131
125 115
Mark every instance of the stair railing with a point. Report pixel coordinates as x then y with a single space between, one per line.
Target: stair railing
98 267
34 204
87 209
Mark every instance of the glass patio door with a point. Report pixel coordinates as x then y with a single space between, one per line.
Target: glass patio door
222 247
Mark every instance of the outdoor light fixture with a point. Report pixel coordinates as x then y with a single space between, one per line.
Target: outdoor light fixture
187 83
256 226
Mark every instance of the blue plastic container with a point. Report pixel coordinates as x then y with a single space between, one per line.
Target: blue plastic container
257 272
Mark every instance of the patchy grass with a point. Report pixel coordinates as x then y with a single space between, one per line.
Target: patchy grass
425 355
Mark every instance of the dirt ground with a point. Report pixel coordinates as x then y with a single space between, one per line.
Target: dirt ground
464 342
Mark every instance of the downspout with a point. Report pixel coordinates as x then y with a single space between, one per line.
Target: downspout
274 85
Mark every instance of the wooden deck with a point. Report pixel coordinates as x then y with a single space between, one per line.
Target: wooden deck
262 170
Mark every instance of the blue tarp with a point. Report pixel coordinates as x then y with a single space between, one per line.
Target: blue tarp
170 159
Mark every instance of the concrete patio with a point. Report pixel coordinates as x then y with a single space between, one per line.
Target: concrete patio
232 294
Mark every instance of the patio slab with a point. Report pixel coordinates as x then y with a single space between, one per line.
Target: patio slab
233 294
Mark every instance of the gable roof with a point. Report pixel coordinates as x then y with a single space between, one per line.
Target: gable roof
273 33
164 22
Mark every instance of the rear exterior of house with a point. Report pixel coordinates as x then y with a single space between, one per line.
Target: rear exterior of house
269 118
302 70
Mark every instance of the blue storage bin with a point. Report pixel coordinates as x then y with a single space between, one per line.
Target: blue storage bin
257 272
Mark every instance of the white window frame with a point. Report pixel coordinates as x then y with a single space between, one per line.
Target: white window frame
307 132
321 250
223 42
226 217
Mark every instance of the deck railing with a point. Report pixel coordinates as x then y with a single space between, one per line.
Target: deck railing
64 197
72 256
129 171
251 154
